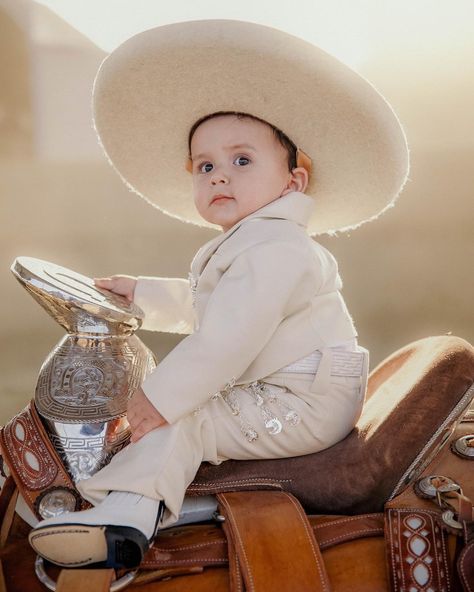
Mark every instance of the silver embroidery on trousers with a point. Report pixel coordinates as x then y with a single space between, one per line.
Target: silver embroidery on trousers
261 395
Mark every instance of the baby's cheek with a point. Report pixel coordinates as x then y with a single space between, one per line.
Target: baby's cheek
199 201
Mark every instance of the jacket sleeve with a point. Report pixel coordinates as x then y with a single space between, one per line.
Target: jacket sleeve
167 304
260 287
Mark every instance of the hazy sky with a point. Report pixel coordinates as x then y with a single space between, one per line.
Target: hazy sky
353 30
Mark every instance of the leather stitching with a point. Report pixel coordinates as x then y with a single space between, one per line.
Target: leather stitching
55 474
26 493
222 543
187 547
425 511
49 532
445 557
200 560
237 572
395 581
398 575
304 521
240 482
244 554
238 577
348 536
348 519
32 442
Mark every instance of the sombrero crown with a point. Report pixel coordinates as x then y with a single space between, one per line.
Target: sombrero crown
151 90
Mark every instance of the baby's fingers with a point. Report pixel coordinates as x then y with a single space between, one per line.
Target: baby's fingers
107 283
124 285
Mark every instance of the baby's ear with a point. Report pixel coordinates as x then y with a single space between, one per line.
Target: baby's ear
189 165
299 178
303 160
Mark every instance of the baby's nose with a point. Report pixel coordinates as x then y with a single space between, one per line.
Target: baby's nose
219 177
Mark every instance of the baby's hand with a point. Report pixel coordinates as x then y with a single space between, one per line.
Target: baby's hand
124 285
142 416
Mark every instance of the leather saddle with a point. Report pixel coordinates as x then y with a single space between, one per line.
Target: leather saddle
416 399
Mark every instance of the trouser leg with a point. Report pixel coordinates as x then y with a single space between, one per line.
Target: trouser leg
160 465
163 463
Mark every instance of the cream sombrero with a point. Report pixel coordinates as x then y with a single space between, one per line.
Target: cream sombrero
151 90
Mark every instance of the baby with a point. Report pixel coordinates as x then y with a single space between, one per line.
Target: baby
239 165
270 367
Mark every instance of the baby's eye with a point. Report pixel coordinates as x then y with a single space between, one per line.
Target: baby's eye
205 167
241 161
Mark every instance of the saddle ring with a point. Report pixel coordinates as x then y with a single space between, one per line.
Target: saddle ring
43 577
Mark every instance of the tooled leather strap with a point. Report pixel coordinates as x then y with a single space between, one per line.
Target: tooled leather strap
236 582
33 461
206 545
416 550
274 542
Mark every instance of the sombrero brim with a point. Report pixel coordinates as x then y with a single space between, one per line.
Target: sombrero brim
153 87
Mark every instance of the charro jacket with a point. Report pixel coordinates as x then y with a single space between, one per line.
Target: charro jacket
259 296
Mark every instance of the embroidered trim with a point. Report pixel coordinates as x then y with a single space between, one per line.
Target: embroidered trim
344 363
262 396
27 452
417 551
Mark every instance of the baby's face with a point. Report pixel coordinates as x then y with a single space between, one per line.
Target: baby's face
240 159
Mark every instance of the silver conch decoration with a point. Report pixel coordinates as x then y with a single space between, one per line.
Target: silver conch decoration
85 382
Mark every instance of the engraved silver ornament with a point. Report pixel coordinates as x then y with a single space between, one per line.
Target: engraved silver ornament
55 501
464 446
85 382
273 426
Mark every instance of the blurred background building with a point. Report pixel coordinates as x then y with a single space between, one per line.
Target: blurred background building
407 276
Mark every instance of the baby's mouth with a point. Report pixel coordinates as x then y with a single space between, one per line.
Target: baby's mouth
220 199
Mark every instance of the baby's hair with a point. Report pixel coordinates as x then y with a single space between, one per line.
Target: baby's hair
284 140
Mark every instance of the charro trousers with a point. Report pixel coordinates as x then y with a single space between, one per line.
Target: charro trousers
163 463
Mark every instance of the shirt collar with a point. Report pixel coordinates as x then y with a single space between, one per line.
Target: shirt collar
295 206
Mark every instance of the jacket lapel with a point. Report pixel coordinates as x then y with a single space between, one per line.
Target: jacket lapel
206 251
295 206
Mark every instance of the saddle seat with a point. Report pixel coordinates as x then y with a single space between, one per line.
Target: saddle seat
415 399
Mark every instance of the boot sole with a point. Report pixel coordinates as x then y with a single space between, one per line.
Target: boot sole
79 545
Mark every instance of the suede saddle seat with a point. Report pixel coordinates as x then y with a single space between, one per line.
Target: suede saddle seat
414 401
